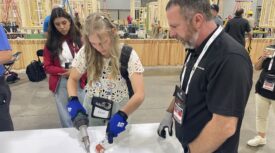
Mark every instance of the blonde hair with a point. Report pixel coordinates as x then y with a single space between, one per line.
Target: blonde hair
98 23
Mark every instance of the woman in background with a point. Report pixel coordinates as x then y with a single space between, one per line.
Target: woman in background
63 42
265 94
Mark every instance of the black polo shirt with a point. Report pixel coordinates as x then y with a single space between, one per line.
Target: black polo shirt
263 92
236 28
220 85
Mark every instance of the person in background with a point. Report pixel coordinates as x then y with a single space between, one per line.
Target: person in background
47 21
209 105
77 21
238 26
265 95
46 25
63 42
214 11
129 19
6 123
100 57
156 31
250 19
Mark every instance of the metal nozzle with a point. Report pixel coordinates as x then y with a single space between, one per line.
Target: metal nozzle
85 137
81 123
86 142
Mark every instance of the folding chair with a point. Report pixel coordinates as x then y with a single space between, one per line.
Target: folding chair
8 66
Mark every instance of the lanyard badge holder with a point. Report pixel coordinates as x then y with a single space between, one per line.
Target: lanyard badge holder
180 105
101 107
269 79
180 96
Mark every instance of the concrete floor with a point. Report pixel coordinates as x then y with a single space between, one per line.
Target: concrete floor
33 107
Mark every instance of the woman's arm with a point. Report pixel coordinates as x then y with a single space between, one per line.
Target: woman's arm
259 63
49 65
73 81
136 100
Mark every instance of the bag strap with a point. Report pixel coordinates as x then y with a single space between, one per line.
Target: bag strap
38 59
39 52
124 59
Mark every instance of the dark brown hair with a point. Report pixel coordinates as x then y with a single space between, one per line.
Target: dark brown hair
191 7
55 38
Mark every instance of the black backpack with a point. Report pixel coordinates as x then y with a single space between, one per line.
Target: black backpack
35 71
124 59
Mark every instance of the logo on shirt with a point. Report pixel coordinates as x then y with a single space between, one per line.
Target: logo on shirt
201 68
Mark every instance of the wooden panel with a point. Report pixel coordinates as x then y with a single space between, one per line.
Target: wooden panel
28 49
152 14
177 54
151 52
164 52
258 45
267 18
158 52
150 56
138 46
162 13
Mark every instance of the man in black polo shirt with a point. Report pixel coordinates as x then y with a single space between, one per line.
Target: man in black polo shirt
5 93
209 105
237 27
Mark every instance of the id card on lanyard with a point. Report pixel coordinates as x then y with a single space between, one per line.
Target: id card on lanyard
269 80
101 107
180 95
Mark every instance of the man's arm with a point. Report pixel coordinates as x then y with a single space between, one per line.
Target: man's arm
5 56
5 49
249 31
249 34
214 134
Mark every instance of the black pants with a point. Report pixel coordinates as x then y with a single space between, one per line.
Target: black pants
5 98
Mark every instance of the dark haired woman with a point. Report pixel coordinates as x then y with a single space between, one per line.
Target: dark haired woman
63 42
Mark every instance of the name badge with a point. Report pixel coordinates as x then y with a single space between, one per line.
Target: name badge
101 113
268 85
101 108
178 113
180 105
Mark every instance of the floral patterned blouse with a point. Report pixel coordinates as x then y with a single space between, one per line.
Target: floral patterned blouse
106 87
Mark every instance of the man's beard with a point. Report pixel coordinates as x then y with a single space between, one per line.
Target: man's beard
191 38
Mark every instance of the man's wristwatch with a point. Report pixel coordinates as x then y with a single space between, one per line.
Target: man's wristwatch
186 149
72 97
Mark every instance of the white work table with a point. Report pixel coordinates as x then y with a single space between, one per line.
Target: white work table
138 138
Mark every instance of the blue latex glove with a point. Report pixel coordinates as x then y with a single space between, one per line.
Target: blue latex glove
116 125
74 107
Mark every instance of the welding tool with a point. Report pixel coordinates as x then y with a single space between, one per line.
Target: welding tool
81 123
80 120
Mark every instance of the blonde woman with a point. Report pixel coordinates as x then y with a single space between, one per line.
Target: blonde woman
107 95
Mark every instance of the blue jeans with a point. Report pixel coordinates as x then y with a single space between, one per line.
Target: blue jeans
61 99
